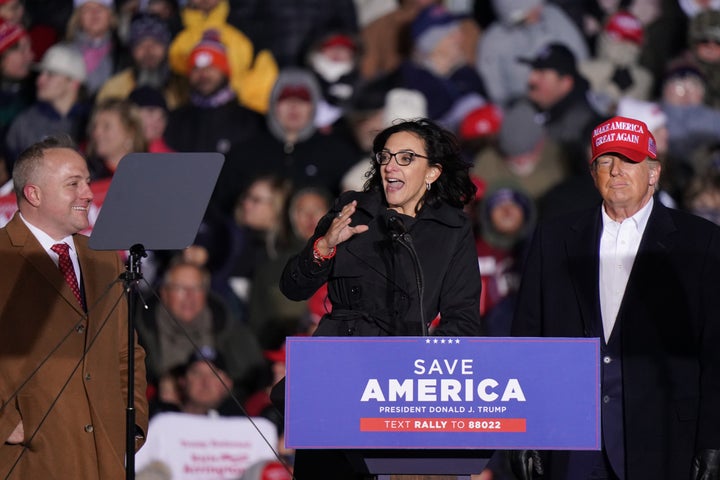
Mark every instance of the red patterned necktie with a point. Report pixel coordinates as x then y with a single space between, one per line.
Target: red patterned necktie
67 269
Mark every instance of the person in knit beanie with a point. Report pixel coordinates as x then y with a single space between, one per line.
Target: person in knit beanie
153 112
505 220
92 30
60 107
209 52
252 74
15 52
39 28
215 118
148 40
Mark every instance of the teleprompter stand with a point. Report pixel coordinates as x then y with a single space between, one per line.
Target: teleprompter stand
156 201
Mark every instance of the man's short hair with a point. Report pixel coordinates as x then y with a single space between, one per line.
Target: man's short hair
178 263
28 161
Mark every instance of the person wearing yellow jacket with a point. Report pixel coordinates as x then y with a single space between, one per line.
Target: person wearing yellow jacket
251 76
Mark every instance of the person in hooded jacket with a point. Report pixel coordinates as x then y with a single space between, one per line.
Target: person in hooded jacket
505 220
291 146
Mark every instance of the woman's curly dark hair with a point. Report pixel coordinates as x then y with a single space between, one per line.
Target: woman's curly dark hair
453 186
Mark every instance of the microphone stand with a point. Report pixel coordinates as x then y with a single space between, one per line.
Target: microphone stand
399 234
131 278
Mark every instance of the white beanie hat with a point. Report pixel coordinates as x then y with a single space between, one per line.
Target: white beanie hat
401 103
105 3
648 112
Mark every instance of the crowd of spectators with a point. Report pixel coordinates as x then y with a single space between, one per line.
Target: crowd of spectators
292 93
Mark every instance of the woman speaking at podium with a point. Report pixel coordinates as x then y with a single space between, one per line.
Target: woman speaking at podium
414 197
399 257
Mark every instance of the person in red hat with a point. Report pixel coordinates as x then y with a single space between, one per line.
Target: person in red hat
214 119
16 86
615 71
42 35
334 59
12 11
14 40
481 122
643 279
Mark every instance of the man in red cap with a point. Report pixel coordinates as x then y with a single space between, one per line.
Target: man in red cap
644 279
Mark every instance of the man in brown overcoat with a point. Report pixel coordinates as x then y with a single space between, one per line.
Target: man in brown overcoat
63 349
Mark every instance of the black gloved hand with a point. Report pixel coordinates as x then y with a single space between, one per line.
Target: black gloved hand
706 465
524 464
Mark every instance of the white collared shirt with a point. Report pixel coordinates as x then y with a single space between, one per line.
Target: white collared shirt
619 243
47 242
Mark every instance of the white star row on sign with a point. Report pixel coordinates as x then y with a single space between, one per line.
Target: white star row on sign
449 341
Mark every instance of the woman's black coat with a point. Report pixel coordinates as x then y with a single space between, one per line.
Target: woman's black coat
372 282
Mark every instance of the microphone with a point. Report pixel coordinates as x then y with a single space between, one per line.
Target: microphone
398 233
397 229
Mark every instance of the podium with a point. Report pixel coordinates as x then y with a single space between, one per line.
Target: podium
440 406
384 463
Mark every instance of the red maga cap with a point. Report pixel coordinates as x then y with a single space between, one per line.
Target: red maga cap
626 136
481 122
338 40
298 91
625 26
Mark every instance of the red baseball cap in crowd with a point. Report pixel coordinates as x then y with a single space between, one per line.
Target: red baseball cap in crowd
625 136
338 40
481 122
299 91
625 26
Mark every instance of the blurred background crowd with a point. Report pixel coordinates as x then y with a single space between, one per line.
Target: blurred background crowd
292 92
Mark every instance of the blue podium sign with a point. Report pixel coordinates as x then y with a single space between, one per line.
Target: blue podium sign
441 392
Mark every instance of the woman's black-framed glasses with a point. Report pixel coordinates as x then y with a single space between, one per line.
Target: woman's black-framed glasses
403 157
